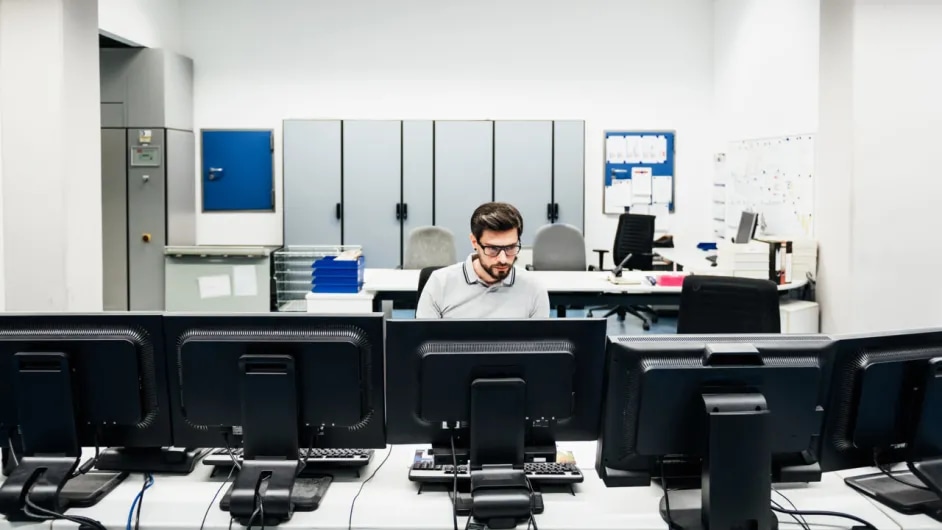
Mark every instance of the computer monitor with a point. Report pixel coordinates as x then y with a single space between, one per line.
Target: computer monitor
276 382
748 222
885 407
503 391
68 381
734 411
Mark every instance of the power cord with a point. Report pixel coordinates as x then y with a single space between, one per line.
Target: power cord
218 491
825 514
302 464
373 474
454 497
138 502
667 497
804 524
532 519
32 508
800 522
225 436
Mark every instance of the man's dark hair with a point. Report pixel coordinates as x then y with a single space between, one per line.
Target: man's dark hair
496 216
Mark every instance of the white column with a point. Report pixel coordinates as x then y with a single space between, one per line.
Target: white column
51 145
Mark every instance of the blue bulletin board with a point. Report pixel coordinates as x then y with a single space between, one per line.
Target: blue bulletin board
639 172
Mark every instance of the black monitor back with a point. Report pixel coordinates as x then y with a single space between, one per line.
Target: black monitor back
876 398
118 374
653 402
431 364
338 362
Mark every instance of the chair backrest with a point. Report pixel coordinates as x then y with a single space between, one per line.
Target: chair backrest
429 246
634 235
559 247
423 279
719 304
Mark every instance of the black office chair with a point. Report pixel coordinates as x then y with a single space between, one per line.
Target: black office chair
424 275
632 250
719 304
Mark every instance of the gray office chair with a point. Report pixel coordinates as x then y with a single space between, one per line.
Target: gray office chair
558 247
430 246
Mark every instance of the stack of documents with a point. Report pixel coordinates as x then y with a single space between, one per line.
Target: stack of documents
744 261
804 259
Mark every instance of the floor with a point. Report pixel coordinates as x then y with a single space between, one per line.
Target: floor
631 325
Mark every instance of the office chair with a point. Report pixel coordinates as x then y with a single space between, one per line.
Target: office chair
632 250
558 247
423 279
719 304
429 246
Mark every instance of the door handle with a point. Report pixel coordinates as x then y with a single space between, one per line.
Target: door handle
214 173
549 211
398 211
555 211
405 211
339 211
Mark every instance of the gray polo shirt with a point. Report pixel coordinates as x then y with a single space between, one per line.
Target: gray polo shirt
456 291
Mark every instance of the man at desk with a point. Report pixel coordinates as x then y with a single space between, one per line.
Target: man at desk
486 285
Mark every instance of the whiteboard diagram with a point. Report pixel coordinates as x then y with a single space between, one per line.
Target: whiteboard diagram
774 177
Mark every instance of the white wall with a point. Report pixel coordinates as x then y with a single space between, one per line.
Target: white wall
897 182
616 64
765 68
149 23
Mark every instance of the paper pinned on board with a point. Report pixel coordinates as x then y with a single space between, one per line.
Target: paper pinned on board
633 149
662 190
641 180
243 280
618 196
214 286
659 210
641 209
615 149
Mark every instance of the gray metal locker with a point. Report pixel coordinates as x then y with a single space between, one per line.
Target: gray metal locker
312 182
463 174
569 172
372 190
147 230
523 171
416 176
114 219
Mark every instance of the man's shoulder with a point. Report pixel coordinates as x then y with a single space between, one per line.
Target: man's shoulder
449 272
528 280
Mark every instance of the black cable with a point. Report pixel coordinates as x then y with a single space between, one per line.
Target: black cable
889 474
212 502
225 436
667 497
838 515
803 525
532 519
302 464
790 503
355 497
454 498
49 514
148 481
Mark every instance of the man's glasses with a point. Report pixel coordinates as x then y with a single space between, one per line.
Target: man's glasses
494 251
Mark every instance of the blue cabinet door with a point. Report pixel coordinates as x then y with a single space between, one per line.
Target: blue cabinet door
237 171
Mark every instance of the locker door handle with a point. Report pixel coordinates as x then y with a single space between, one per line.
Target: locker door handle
398 211
549 211
555 211
339 211
405 211
214 173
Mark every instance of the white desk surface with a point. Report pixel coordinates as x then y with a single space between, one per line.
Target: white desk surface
691 258
391 502
555 281
909 522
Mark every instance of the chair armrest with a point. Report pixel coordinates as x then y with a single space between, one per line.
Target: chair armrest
601 253
529 267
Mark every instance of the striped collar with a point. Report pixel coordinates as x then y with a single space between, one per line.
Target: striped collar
471 276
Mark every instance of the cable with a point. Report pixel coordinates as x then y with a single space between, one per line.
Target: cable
454 465
373 474
667 497
138 502
16 461
803 525
212 502
302 464
889 474
225 436
790 503
532 519
49 514
825 514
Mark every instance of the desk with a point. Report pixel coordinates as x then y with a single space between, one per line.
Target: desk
692 259
391 502
909 522
577 288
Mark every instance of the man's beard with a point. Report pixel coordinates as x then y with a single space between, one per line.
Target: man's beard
499 275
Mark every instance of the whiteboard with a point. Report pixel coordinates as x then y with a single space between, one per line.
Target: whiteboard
774 177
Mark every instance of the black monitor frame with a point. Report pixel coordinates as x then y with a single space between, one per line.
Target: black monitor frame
748 223
885 405
67 386
757 401
271 436
504 391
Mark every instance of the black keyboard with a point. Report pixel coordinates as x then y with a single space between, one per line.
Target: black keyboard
318 457
538 472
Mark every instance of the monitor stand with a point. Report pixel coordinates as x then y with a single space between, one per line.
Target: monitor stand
262 491
49 437
927 439
501 495
736 485
177 460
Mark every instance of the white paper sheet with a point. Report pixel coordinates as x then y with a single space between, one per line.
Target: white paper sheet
618 195
243 280
641 180
662 190
633 149
641 209
659 210
214 286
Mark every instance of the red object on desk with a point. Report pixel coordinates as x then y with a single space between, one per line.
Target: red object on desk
671 280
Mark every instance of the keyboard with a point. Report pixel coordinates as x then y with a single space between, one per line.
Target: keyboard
538 472
318 457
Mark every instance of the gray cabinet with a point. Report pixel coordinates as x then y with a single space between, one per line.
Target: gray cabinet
370 182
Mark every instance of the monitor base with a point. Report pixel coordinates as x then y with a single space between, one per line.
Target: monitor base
151 460
687 511
903 499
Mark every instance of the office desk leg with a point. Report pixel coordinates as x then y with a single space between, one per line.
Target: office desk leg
561 311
